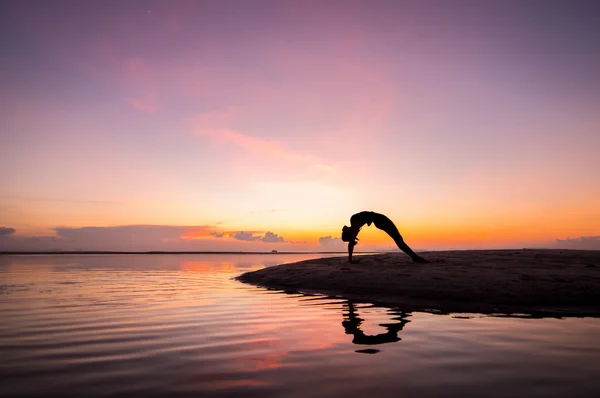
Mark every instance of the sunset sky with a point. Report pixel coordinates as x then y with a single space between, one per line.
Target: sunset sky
258 125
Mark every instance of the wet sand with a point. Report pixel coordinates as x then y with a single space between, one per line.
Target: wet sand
528 281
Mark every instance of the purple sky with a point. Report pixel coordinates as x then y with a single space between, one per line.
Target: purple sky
469 123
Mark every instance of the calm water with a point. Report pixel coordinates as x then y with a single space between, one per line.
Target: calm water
179 325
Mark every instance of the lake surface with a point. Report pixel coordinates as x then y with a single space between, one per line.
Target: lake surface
179 325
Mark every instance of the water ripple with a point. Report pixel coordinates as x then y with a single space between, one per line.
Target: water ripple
180 325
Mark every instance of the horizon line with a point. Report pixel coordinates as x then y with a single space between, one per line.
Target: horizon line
75 252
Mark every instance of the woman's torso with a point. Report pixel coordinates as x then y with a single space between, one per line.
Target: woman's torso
367 217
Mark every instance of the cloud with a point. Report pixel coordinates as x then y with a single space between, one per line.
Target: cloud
581 243
127 232
272 238
215 126
31 243
7 231
144 104
269 237
146 238
331 243
131 237
246 236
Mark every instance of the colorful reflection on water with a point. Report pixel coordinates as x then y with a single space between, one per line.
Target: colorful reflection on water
179 325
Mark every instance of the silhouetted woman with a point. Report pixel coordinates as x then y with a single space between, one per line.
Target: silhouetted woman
383 223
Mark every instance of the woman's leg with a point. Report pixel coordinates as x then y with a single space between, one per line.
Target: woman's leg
400 242
390 228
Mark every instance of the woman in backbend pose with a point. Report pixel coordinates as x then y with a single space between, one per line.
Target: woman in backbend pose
383 223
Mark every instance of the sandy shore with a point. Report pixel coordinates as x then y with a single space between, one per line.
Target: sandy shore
537 282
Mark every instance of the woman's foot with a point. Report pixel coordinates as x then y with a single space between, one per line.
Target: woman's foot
418 259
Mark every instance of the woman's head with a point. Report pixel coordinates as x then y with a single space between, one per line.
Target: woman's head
348 234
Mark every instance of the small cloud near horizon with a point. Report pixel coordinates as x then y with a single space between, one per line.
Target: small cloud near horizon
581 243
272 238
217 234
329 242
7 231
269 237
246 236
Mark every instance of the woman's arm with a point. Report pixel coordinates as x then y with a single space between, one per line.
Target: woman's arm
350 250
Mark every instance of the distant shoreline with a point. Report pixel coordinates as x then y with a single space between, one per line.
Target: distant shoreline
12 253
74 252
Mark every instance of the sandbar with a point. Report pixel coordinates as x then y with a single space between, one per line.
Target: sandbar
534 282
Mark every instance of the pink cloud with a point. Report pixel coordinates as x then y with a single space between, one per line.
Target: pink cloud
214 126
144 104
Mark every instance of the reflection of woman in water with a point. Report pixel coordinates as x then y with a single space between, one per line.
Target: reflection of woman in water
383 223
352 324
